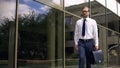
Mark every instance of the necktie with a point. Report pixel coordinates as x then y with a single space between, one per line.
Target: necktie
83 28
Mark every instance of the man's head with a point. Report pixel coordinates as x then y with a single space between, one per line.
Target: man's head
85 12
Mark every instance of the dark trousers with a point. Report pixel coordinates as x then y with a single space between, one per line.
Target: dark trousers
85 52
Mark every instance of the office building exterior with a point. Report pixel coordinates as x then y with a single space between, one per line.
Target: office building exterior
39 33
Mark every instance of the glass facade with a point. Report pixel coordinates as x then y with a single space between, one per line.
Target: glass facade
40 36
45 31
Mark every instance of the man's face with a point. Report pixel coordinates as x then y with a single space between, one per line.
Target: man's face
85 12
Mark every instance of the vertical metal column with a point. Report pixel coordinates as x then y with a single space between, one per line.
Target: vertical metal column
63 1
118 31
106 24
90 8
13 40
11 44
16 34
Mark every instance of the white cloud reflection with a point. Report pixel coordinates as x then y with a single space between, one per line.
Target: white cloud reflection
24 9
56 1
7 9
74 2
45 8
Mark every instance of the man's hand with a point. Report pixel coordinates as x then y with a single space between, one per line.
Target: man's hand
96 47
76 47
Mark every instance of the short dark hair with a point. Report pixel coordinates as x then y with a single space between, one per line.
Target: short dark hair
85 7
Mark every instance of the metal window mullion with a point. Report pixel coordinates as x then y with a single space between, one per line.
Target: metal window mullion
16 33
13 40
64 35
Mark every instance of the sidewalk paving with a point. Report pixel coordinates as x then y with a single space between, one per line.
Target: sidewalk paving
94 66
70 66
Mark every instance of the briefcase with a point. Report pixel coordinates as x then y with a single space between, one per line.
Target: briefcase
98 57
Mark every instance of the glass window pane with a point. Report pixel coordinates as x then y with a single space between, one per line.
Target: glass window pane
57 2
102 2
40 35
109 4
71 53
98 12
7 15
75 2
119 9
9 10
113 8
113 21
54 3
113 50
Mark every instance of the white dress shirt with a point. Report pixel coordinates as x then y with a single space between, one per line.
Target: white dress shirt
91 30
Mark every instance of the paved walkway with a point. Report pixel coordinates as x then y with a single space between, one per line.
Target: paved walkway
73 66
93 66
45 66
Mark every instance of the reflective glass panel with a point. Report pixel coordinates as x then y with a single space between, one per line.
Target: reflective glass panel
113 50
109 4
119 9
7 15
58 3
103 2
113 8
75 2
40 35
71 54
113 21
98 13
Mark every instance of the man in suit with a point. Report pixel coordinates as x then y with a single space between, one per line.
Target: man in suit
86 38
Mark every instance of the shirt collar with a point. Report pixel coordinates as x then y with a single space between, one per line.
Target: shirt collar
86 18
